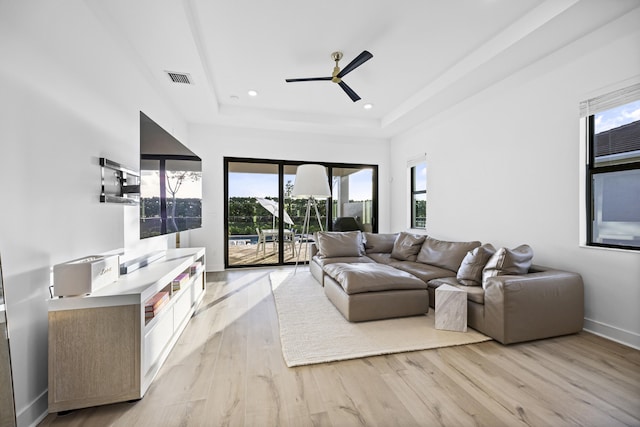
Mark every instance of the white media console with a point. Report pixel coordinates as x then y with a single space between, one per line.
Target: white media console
104 348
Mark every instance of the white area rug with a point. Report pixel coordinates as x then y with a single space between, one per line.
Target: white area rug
312 330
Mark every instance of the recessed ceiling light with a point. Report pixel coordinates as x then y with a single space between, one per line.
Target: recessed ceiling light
252 93
367 106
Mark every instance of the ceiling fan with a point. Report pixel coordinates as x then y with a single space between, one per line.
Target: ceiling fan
338 74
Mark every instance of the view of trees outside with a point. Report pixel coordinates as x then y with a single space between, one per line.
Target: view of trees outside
184 202
246 214
420 205
185 215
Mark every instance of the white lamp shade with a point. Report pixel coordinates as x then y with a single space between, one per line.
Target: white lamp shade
311 180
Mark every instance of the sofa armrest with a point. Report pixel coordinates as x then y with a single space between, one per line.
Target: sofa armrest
533 306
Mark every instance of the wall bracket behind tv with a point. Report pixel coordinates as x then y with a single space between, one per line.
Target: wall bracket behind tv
120 184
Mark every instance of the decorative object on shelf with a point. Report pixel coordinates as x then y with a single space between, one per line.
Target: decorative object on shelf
195 267
311 182
85 275
154 304
179 281
120 184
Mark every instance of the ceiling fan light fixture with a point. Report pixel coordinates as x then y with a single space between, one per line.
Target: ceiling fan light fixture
367 106
252 92
338 74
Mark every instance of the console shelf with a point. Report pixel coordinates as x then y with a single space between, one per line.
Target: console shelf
104 349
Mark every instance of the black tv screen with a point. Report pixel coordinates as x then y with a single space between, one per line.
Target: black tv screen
170 183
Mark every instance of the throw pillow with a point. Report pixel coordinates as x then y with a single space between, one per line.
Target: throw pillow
508 261
333 244
470 271
443 254
379 243
407 246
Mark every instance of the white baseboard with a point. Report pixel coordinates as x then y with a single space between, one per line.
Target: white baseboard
613 333
35 412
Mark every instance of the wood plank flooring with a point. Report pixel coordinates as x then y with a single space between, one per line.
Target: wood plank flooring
240 255
227 370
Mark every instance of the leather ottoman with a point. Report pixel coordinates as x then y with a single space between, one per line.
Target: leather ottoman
369 291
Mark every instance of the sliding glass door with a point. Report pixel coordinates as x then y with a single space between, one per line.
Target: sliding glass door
263 222
253 215
353 194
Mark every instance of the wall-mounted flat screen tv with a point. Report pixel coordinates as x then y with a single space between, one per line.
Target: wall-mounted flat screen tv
170 183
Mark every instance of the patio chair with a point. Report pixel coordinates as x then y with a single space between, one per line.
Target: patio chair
290 240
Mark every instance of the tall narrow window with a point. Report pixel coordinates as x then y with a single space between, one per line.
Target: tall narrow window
419 195
613 170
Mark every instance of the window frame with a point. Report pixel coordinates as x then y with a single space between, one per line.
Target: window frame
281 172
413 193
592 171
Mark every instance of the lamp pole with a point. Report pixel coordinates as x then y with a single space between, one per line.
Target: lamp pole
305 229
311 182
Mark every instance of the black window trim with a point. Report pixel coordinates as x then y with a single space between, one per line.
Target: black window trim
281 165
415 192
592 171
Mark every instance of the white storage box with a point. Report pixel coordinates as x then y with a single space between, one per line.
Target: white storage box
85 275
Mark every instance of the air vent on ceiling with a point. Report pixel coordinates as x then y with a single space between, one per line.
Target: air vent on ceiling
179 77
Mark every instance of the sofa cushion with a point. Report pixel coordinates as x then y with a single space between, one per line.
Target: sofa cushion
351 259
470 271
407 246
508 262
423 272
379 243
339 244
444 254
382 258
365 277
474 293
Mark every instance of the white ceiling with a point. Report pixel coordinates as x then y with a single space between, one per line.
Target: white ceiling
427 54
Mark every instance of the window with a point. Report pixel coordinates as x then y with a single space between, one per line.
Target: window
418 206
613 169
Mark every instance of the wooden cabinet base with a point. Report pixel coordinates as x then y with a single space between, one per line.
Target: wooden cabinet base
94 357
104 348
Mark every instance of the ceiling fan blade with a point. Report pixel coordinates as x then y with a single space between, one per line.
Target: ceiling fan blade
354 96
358 61
309 79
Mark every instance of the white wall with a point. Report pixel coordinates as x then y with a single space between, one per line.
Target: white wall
504 167
213 143
64 103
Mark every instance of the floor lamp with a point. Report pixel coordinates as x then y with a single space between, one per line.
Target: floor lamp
311 182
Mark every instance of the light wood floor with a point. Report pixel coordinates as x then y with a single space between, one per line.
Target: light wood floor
227 370
248 255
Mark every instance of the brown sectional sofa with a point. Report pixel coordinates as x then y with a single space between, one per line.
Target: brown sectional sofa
508 298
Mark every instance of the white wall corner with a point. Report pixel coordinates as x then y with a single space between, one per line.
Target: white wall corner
34 412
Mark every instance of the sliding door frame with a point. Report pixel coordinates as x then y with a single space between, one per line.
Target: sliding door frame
281 165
